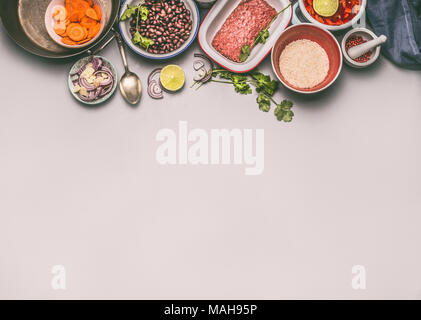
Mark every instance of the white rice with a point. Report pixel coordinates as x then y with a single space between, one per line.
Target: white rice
304 63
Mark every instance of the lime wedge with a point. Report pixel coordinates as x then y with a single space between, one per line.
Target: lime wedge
326 8
172 77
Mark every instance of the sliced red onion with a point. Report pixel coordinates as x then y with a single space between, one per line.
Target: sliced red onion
97 63
84 83
78 73
201 75
153 74
88 98
98 92
107 81
106 69
105 91
208 71
155 90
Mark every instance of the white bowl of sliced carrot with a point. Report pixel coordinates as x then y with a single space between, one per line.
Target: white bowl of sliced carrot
74 23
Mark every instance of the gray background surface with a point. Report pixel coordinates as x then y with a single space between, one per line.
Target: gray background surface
80 187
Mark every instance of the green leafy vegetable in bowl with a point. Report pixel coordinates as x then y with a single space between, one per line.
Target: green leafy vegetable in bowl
141 12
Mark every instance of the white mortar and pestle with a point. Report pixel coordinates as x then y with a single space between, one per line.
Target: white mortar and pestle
373 44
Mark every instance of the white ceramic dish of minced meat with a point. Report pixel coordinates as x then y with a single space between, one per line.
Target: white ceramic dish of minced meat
216 18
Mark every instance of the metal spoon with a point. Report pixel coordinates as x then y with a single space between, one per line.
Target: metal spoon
130 85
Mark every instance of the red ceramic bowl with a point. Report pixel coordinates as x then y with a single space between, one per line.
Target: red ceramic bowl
314 33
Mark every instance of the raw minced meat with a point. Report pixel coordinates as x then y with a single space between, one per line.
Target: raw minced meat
242 27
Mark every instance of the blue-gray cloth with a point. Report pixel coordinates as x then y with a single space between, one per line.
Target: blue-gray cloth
400 21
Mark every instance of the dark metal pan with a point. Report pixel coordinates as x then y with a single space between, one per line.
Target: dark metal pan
24 22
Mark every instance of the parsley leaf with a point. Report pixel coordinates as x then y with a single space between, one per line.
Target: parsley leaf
262 36
283 111
263 102
240 84
224 74
144 13
129 12
245 52
142 41
264 83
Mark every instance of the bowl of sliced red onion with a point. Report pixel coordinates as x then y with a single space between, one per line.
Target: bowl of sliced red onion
92 80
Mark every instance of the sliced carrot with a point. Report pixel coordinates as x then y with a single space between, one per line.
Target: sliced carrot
68 41
73 16
81 22
98 11
84 41
91 13
88 22
85 33
60 32
92 32
71 9
76 32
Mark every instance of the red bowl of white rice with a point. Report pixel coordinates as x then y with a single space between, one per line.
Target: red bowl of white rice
307 58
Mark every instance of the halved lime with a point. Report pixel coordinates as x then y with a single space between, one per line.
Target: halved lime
326 8
172 77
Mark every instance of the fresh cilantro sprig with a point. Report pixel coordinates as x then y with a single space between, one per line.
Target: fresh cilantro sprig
132 9
283 111
141 13
264 102
260 38
245 52
264 85
142 41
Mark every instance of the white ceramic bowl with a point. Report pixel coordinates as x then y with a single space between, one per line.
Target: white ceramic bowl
216 18
329 27
49 24
366 34
125 32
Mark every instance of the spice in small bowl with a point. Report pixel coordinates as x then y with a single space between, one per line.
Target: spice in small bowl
356 41
357 37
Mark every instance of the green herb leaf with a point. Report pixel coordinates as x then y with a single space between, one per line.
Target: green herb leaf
283 111
240 84
224 74
245 52
263 102
144 13
264 83
242 87
142 41
262 36
129 12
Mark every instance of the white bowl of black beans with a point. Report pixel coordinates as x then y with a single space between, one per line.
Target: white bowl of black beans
170 28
